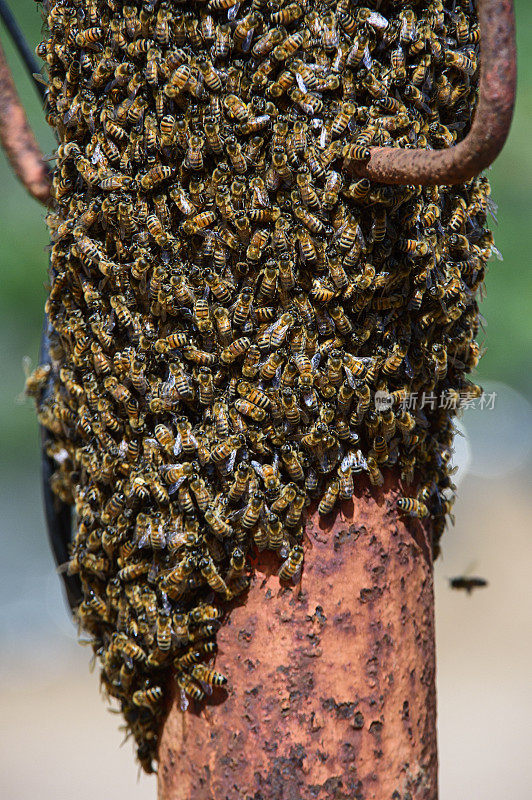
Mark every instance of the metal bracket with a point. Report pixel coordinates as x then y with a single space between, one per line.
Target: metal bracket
489 131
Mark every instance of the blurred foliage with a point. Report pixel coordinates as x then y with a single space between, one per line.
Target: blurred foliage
23 254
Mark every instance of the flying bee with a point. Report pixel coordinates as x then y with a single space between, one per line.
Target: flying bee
468 584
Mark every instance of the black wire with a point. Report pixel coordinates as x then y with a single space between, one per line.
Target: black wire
57 514
25 51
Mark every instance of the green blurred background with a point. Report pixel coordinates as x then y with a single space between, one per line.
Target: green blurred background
483 657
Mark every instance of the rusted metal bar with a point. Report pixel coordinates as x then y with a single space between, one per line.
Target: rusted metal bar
18 141
491 124
332 682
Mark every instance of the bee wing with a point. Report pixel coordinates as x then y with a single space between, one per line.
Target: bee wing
183 700
360 464
258 468
350 377
348 461
367 60
376 20
276 380
308 398
175 486
231 461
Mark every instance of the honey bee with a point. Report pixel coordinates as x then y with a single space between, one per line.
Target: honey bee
235 350
375 475
172 342
212 576
155 176
460 62
292 566
252 511
194 154
189 687
358 190
329 499
295 510
331 190
240 483
440 358
412 507
219 526
221 294
466 583
150 698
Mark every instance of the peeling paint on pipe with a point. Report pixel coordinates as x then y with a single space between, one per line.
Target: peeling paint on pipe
332 681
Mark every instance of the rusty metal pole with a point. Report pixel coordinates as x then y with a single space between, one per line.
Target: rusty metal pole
18 140
491 124
332 689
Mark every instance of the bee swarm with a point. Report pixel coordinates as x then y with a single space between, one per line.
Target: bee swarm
226 302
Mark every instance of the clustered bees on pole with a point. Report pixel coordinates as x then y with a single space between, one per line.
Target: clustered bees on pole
226 303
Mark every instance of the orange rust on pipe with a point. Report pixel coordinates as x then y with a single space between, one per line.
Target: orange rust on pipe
331 682
18 140
489 131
